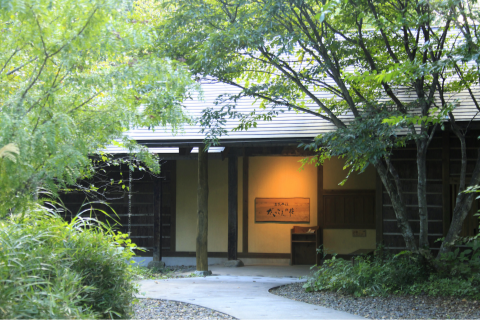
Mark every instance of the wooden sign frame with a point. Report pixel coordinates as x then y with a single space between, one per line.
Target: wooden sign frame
289 210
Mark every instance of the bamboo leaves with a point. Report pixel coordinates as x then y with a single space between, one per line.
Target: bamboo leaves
74 75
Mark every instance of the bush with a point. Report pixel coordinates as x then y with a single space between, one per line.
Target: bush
53 269
454 287
403 273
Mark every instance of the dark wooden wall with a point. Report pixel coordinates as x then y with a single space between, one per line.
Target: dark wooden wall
404 160
142 218
443 171
470 226
168 208
348 209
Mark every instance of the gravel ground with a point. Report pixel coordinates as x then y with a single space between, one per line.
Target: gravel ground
392 307
167 309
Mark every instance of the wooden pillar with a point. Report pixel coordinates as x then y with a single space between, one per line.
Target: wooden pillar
202 210
157 220
173 204
446 196
232 207
320 213
245 205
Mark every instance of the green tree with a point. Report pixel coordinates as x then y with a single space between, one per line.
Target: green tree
368 55
75 75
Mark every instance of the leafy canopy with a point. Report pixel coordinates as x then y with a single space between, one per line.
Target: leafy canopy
74 75
393 67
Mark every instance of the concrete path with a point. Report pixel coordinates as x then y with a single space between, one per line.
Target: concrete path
272 271
241 296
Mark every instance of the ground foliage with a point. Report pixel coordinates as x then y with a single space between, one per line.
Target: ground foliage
52 269
75 75
382 73
402 273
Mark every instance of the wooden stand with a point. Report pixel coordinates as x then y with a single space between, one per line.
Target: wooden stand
304 245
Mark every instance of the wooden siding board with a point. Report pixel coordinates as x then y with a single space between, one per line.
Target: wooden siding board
359 210
142 220
411 187
399 154
455 167
339 211
349 209
412 199
369 209
157 220
434 227
434 213
329 210
440 176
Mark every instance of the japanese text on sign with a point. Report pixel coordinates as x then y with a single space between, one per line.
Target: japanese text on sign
282 210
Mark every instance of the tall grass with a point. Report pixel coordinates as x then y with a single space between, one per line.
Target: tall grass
54 269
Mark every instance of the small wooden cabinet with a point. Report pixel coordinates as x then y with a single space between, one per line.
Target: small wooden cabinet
304 245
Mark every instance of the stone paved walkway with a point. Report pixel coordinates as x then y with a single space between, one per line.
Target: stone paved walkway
241 296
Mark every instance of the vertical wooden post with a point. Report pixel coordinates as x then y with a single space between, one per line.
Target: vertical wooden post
157 220
378 209
245 204
320 213
446 196
173 204
232 207
202 209
320 217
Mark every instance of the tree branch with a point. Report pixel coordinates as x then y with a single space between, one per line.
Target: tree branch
287 104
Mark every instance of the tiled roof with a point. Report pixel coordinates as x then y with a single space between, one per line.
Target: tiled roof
287 125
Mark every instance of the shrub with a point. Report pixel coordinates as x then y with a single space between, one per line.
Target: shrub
454 287
403 273
461 263
53 269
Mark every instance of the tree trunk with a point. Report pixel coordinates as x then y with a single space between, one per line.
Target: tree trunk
462 207
422 145
395 193
202 213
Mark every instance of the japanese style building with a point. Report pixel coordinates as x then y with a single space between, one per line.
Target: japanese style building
252 172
